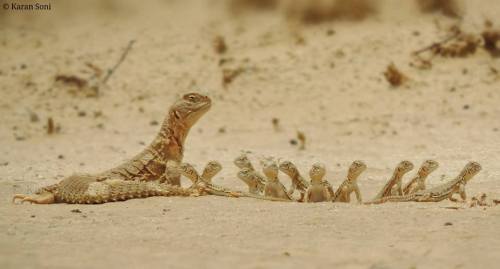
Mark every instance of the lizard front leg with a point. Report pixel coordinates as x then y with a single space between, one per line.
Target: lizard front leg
331 192
358 194
292 189
326 194
461 191
307 197
399 188
43 198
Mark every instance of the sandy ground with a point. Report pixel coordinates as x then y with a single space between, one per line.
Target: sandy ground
331 88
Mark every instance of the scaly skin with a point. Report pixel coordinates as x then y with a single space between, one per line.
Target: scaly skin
343 193
86 190
298 182
439 193
211 169
205 180
250 176
317 191
149 165
253 181
396 180
418 182
274 188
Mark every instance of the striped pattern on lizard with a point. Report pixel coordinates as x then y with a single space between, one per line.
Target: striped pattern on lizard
350 184
149 165
441 192
396 180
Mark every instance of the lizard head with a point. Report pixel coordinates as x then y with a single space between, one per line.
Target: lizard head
242 162
288 168
188 171
190 108
245 173
428 167
404 167
357 167
211 169
317 172
270 170
470 170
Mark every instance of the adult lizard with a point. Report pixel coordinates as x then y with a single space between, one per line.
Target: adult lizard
149 165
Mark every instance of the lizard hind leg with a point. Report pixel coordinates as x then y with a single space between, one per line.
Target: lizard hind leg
43 198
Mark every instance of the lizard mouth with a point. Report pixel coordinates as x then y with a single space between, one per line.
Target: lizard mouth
206 106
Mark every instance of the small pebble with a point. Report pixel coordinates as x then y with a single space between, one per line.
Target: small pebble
76 210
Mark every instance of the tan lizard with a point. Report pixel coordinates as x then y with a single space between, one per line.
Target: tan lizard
350 184
149 165
396 180
253 181
204 184
439 193
298 182
211 169
418 182
317 191
205 180
249 175
274 188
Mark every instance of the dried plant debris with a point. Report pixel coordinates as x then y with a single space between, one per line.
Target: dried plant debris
458 44
89 87
491 39
482 200
219 44
450 8
394 76
77 86
96 70
229 74
318 11
302 140
421 63
71 80
462 46
51 127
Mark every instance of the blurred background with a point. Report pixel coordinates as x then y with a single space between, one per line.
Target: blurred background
341 75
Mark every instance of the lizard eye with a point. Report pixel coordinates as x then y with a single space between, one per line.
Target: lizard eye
192 98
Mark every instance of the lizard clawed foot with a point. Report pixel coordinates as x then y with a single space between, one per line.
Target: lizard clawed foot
45 198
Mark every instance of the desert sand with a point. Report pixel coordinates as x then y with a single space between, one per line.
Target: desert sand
325 80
